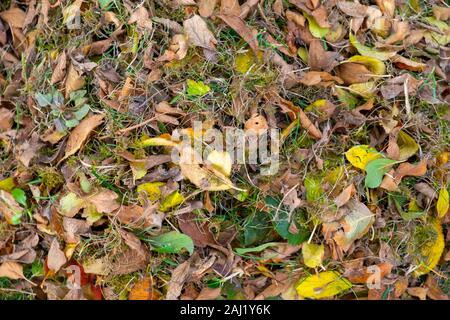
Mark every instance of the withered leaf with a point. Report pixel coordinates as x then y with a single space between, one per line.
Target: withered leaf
79 135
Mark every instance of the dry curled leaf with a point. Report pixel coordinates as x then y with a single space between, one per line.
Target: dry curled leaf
79 135
198 33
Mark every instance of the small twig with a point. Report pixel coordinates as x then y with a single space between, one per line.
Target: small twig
18 291
122 131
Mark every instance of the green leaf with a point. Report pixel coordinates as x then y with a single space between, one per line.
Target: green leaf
104 3
256 228
282 223
20 196
15 219
316 30
172 242
37 269
82 112
370 52
43 100
76 95
71 123
375 171
197 88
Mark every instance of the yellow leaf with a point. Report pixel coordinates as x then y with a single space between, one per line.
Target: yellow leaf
373 64
138 169
431 250
442 203
244 61
323 285
370 52
7 184
316 30
151 189
313 254
303 54
172 200
70 204
163 140
365 89
200 176
360 155
407 146
221 161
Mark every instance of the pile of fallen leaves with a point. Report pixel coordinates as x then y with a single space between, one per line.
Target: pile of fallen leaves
94 93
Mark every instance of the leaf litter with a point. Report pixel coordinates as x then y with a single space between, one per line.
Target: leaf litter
90 120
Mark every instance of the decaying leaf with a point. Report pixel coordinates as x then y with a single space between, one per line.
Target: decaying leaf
11 270
431 248
198 33
313 254
56 257
355 224
323 285
79 135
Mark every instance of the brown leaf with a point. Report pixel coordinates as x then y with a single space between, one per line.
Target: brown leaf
104 201
198 33
209 293
6 119
319 59
400 287
352 9
141 17
133 258
362 275
230 7
294 112
407 64
144 290
198 231
345 195
74 228
74 81
296 18
79 135
351 73
11 270
238 25
401 30
15 17
418 292
320 78
138 216
257 124
206 7
434 292
60 69
56 257
179 276
28 150
441 13
425 189
408 169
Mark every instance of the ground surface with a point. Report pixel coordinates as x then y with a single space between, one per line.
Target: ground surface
94 205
